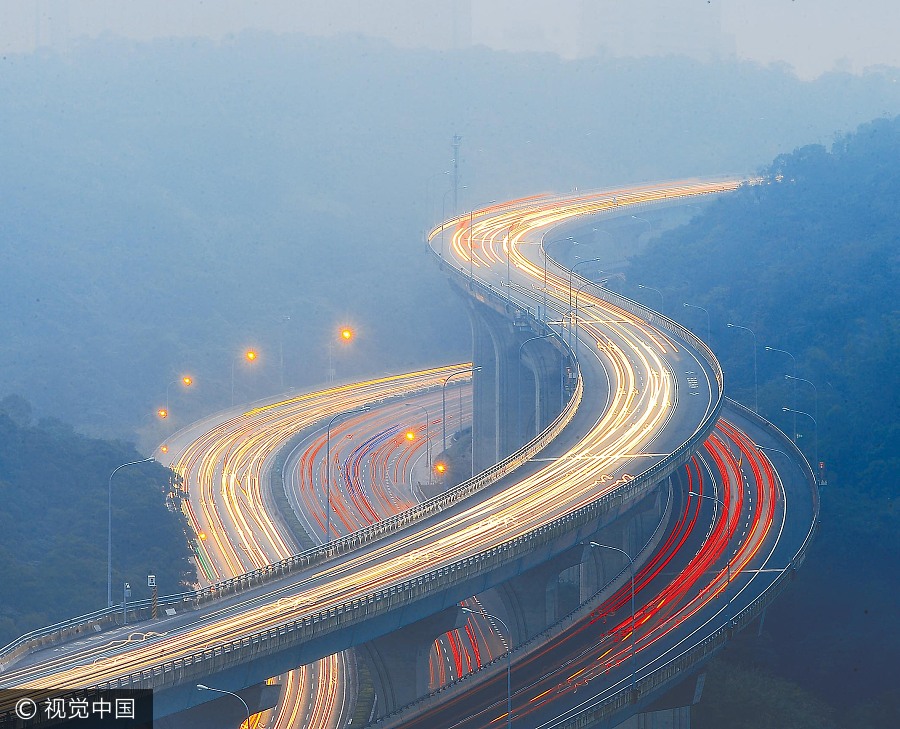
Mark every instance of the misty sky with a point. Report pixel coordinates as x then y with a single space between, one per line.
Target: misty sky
813 36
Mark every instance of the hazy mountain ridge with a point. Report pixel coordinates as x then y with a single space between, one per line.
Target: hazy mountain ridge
809 261
169 203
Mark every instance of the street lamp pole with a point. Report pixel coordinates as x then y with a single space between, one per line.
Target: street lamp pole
204 687
444 405
471 244
815 435
708 337
815 393
571 271
767 448
644 220
589 283
662 303
508 660
186 381
508 255
755 381
544 254
109 601
364 408
444 216
794 378
519 373
427 439
250 355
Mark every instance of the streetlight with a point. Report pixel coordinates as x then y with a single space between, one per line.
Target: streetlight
755 388
571 271
186 381
708 337
589 283
508 659
427 439
519 373
794 378
109 601
204 687
815 433
777 450
662 305
644 220
508 254
815 392
346 334
364 408
471 244
250 355
728 541
633 624
444 406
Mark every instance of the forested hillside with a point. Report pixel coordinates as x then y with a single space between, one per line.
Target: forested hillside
167 204
809 261
53 523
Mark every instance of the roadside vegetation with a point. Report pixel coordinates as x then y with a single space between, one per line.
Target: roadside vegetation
810 262
53 524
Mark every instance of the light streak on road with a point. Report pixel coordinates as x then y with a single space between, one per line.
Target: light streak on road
636 364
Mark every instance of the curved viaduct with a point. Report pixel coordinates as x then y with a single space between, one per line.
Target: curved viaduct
637 396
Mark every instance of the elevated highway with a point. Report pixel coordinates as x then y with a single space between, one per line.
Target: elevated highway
644 395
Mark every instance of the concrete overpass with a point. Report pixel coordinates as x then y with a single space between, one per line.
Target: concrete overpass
299 632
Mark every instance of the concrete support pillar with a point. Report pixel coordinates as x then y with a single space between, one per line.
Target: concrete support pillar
398 662
541 387
486 413
672 710
533 599
514 400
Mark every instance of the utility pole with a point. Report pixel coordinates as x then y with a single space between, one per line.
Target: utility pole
455 145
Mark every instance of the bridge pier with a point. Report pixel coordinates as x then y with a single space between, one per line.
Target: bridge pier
539 597
398 661
533 599
520 388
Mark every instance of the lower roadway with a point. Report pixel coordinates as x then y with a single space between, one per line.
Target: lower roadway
712 564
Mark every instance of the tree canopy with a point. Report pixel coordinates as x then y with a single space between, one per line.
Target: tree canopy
53 553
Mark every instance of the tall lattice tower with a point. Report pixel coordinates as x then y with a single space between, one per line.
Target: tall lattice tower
455 145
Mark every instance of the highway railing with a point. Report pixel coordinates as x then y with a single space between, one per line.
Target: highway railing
498 662
335 618
291 633
674 669
140 610
689 660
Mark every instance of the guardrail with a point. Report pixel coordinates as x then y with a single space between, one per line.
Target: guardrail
231 653
499 661
689 660
703 650
273 640
140 610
